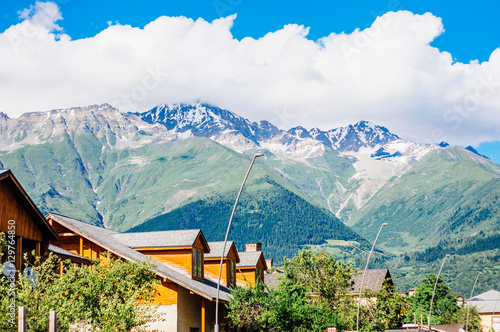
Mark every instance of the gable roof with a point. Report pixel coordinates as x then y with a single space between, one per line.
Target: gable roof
491 295
66 254
216 250
487 302
251 259
274 278
373 280
162 239
105 238
19 192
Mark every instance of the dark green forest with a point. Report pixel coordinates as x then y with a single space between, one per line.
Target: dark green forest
469 255
281 220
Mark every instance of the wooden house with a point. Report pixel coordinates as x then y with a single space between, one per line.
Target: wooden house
252 265
374 279
186 298
22 222
212 263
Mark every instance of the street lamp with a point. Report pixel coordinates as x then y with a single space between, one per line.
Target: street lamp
434 291
468 306
216 327
364 272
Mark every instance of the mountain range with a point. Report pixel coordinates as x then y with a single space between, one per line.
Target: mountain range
180 166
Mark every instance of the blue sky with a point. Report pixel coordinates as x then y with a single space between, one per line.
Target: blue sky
471 32
472 28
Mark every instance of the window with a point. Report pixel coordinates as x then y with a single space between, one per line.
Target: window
231 273
495 323
258 275
197 264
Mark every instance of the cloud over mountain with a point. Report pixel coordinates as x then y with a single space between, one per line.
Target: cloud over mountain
388 73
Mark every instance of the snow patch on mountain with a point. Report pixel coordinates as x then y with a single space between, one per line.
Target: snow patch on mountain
104 122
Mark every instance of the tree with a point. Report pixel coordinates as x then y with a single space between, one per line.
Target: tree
444 309
386 311
310 297
112 295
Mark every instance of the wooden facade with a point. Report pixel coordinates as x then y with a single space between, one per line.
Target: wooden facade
250 273
22 221
190 305
228 273
184 258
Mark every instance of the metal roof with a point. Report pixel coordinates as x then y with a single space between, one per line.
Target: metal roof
106 239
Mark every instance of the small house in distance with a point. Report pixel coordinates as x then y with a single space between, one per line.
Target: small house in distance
488 307
374 279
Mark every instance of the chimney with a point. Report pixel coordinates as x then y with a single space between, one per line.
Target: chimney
256 246
269 263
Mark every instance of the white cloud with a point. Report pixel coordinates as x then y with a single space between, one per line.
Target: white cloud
387 73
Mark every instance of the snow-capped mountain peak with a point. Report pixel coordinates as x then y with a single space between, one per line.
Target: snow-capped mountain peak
240 134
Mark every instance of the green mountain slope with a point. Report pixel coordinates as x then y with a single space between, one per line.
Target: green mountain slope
469 255
449 193
283 221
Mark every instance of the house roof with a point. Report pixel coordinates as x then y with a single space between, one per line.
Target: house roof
63 253
20 194
106 239
216 250
487 302
274 278
373 280
161 239
491 295
251 259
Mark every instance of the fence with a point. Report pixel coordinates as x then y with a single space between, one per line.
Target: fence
22 320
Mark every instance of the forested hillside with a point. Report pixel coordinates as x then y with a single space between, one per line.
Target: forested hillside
277 217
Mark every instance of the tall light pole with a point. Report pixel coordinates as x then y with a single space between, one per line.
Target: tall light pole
434 291
468 306
364 272
216 327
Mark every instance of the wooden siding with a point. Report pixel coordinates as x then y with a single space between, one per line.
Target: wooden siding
245 276
12 209
201 244
166 290
166 293
180 258
212 269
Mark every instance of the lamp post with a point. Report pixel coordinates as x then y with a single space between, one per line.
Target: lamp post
434 291
216 327
468 306
364 272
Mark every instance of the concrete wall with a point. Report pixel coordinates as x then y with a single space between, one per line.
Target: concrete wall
168 316
189 311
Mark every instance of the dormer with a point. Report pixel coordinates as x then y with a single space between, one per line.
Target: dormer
212 263
250 269
182 250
